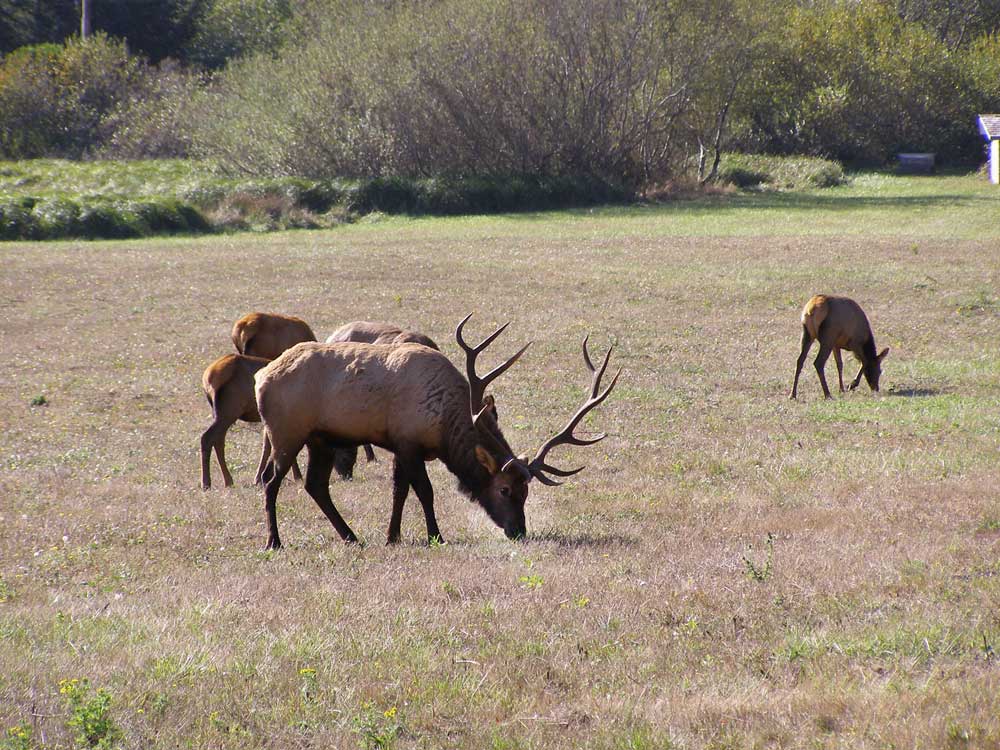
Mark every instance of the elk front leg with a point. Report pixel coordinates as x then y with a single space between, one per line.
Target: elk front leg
857 380
840 368
806 343
369 453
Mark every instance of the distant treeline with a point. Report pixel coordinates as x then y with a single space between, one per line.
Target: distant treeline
627 93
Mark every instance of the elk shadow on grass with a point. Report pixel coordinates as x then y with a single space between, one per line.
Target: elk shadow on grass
582 540
915 392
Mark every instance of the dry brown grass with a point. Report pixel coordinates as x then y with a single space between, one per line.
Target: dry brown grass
632 618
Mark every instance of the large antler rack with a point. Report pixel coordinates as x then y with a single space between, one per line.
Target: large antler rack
537 467
477 384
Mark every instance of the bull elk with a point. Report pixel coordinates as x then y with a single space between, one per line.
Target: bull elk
411 401
838 323
269 334
364 331
229 386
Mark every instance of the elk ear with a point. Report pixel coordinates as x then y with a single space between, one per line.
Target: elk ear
489 403
486 459
884 352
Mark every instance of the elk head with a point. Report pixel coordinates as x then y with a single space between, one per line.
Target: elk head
872 369
503 498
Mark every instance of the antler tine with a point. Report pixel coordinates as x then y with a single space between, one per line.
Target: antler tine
566 436
477 384
596 383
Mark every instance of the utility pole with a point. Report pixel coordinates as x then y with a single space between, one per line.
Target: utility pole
84 19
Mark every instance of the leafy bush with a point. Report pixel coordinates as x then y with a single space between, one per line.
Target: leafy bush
91 97
855 82
31 109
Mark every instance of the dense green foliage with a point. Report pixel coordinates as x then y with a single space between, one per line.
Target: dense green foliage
82 98
625 94
857 83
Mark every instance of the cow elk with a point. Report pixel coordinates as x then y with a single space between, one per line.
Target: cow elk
838 323
363 331
411 401
229 386
269 334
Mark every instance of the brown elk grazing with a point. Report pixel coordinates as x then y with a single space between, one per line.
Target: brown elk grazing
838 323
229 386
269 334
413 402
363 331
378 333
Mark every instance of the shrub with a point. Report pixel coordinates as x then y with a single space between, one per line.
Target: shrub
790 172
155 119
91 97
417 90
31 109
855 82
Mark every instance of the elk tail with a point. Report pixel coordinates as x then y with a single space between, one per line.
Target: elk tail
813 315
217 376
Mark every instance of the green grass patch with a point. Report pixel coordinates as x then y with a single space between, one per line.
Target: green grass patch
49 199
915 413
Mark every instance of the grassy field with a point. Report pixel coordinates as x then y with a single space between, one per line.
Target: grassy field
732 570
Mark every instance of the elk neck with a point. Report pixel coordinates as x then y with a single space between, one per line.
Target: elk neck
459 454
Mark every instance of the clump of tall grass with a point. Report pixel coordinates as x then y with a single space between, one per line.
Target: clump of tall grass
780 172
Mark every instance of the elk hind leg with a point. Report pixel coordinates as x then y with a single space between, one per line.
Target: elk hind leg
265 453
215 438
321 460
274 473
840 368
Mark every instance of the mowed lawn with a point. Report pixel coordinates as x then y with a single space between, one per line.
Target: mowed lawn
731 570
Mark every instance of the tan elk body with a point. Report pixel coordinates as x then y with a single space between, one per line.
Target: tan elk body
229 386
838 323
269 334
228 383
410 400
364 331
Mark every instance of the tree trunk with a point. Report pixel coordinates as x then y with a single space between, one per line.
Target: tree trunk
84 19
